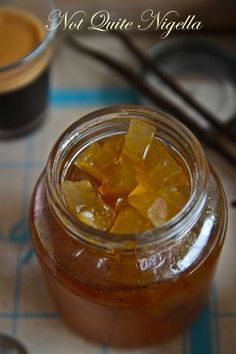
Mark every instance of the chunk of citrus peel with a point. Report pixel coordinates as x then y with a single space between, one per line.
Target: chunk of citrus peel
149 204
118 179
87 205
114 144
138 141
94 159
130 221
78 195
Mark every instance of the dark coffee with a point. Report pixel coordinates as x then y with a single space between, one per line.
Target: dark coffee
24 108
23 84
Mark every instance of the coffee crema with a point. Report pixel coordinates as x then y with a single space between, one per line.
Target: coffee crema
24 84
20 33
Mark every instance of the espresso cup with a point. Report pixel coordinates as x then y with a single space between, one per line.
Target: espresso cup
26 49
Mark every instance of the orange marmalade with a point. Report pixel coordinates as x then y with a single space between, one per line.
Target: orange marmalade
128 221
127 183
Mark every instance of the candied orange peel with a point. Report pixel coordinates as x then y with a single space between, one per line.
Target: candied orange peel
142 182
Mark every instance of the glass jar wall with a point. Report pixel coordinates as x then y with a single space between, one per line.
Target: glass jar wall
128 290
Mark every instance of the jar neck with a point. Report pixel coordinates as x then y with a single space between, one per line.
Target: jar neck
106 122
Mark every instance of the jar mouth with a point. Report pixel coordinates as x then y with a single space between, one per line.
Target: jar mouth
102 122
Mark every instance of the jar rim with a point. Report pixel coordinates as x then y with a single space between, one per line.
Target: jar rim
169 231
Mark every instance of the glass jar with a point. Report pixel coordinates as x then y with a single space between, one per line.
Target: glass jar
137 289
